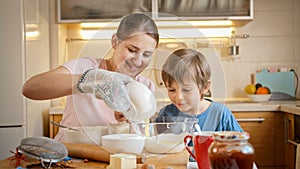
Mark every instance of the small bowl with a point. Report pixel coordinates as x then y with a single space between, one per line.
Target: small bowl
86 135
124 143
165 135
259 97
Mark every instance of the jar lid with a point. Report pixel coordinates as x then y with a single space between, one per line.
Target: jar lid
231 136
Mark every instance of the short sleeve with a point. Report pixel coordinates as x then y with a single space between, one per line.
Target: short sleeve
80 65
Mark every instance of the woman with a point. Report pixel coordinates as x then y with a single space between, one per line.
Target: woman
133 44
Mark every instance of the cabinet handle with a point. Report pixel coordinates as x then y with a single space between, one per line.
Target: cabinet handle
292 142
288 123
260 119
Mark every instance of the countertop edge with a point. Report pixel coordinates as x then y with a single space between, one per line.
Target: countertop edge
252 107
292 107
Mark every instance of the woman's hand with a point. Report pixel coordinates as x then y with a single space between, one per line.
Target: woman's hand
120 117
108 86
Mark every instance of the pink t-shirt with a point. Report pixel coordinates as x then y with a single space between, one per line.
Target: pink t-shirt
84 109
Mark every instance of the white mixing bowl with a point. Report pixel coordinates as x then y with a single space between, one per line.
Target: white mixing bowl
123 143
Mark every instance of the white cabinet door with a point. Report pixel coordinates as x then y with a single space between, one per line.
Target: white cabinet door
12 104
12 56
10 139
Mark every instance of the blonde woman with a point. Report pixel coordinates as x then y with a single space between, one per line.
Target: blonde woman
94 86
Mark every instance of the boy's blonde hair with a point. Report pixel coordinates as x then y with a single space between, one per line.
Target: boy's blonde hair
186 64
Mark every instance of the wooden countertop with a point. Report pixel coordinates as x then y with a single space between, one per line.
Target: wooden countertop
174 161
34 164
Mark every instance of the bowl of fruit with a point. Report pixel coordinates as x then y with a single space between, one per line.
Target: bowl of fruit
258 93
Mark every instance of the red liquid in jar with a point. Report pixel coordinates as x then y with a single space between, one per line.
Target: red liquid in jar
236 160
231 150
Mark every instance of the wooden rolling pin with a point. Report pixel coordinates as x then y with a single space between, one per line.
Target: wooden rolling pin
93 152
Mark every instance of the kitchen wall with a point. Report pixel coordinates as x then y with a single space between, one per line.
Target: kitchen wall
274 38
274 42
37 61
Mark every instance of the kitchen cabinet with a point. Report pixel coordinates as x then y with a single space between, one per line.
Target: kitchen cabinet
204 9
266 129
98 10
76 11
290 146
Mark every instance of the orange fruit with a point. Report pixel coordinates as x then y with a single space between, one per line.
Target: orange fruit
263 90
269 91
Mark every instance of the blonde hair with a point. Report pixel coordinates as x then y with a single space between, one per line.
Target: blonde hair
186 63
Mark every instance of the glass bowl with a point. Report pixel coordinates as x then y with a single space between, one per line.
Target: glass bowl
165 135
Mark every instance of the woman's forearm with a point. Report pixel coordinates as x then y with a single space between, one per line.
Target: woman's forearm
49 85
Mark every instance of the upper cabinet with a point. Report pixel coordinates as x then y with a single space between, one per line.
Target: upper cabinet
76 11
205 9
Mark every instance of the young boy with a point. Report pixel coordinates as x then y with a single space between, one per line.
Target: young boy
186 75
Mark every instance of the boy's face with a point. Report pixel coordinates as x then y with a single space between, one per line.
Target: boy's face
186 96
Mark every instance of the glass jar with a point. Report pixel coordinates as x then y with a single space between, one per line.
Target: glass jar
231 150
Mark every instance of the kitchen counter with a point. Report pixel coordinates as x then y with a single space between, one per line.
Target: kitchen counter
34 164
251 106
174 161
291 108
239 104
284 106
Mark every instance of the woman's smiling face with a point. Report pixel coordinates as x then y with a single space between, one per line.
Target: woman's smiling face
133 55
